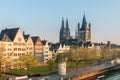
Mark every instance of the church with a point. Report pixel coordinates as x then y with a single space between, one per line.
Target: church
82 33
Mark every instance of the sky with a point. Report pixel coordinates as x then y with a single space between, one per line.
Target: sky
43 17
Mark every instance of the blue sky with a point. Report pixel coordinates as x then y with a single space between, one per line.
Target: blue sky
43 17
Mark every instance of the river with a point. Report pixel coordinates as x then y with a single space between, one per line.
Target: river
112 75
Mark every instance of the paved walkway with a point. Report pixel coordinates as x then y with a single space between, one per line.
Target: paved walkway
75 72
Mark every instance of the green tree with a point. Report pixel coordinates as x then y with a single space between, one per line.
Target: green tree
104 53
28 60
6 62
82 54
51 64
59 57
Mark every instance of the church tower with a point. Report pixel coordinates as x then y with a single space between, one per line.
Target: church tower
77 30
64 31
84 33
67 30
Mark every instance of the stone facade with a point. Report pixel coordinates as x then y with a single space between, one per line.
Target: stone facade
83 34
64 31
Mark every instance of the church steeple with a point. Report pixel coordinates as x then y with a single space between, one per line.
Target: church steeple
84 23
67 30
78 26
67 26
62 26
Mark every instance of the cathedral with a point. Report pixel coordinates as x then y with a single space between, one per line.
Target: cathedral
82 33
64 31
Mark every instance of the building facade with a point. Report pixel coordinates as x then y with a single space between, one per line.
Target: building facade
13 42
83 34
47 53
29 44
64 31
38 48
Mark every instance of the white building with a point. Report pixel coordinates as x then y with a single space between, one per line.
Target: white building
47 53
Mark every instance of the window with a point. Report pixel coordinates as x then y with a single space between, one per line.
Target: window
15 54
23 49
46 51
15 49
9 44
46 59
46 55
19 49
9 49
19 54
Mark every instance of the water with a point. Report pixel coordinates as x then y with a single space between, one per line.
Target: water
112 75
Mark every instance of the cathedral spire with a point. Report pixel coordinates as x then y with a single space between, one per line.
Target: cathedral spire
62 26
84 23
78 26
67 26
89 25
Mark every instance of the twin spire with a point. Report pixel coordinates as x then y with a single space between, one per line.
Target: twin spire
67 25
64 31
83 27
80 31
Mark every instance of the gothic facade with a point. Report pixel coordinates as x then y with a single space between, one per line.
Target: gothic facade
83 33
64 31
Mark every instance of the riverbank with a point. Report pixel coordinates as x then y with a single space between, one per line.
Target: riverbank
94 73
105 74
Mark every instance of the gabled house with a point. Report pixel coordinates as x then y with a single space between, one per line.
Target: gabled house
38 48
14 41
6 45
60 48
29 44
47 53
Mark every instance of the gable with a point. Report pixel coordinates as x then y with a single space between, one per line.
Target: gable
19 36
11 33
29 40
38 41
6 38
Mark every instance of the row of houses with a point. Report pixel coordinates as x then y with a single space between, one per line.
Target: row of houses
17 42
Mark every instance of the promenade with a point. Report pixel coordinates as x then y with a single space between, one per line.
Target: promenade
76 72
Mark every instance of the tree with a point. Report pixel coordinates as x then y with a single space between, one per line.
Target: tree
82 54
104 54
6 62
59 57
51 64
28 60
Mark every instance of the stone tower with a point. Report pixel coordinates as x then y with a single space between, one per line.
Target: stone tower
64 31
84 33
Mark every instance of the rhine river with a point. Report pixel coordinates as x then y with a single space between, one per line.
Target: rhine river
113 75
